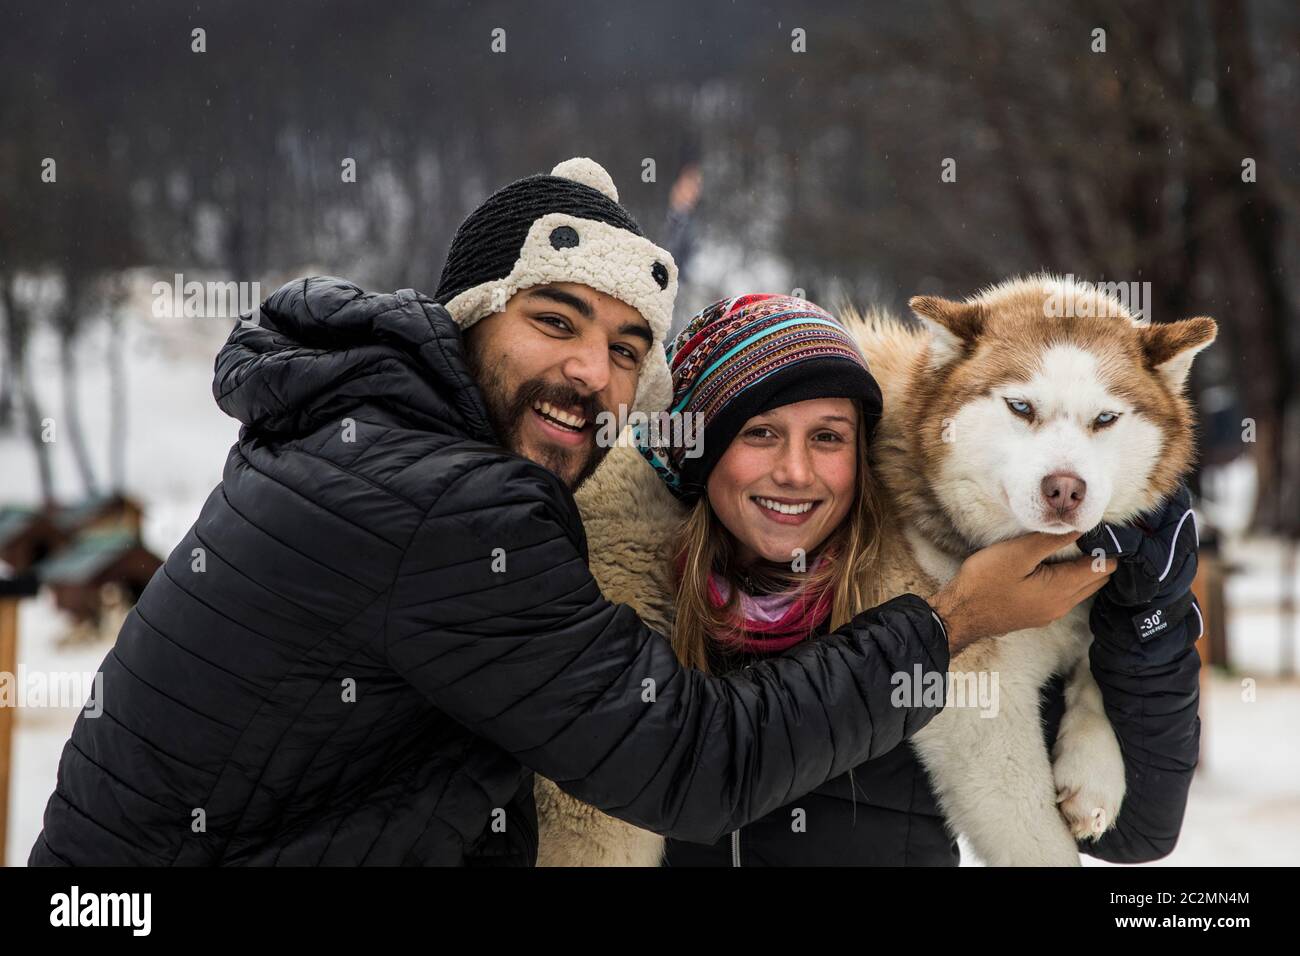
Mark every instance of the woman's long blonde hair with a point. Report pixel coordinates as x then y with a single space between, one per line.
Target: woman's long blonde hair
851 574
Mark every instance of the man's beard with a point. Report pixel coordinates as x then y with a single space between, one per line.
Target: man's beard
506 414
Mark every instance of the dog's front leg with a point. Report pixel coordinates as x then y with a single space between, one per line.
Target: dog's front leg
1087 763
994 780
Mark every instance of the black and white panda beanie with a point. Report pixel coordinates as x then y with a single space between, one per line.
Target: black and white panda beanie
567 226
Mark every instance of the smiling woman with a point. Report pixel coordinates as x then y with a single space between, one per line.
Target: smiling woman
781 503
789 508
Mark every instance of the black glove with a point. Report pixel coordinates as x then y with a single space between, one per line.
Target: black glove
1150 591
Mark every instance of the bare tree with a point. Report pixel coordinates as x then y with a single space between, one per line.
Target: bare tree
18 325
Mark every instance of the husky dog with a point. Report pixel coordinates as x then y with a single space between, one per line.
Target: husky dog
1003 414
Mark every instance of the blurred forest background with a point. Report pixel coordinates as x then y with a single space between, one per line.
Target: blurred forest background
819 168
771 146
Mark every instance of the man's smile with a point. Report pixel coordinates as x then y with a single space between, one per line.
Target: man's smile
560 426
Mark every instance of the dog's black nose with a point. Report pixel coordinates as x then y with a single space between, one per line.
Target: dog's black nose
1064 492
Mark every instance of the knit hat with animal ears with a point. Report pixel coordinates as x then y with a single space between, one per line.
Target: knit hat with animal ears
567 226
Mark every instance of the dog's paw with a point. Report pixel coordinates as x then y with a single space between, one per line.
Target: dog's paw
1084 824
1088 770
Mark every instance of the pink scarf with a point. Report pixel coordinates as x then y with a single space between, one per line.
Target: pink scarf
773 622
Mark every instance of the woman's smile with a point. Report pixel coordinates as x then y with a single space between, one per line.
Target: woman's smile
789 511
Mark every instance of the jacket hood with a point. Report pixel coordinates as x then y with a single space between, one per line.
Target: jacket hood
322 346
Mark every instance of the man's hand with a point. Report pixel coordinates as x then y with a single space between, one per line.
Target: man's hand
1006 587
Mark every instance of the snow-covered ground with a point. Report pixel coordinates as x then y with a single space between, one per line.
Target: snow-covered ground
40 731
1245 803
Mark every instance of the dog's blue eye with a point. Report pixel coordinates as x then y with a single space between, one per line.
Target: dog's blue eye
1023 409
1105 418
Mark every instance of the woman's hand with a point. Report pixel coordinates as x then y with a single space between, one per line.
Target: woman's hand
1006 587
1145 624
1151 590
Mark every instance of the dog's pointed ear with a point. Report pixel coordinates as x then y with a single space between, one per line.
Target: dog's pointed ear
1170 347
953 326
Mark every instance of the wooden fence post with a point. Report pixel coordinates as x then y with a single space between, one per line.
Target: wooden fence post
12 589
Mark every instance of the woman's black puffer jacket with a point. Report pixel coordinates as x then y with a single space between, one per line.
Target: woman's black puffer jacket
881 813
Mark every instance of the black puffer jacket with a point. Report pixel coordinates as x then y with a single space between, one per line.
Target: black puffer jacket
881 813
381 622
